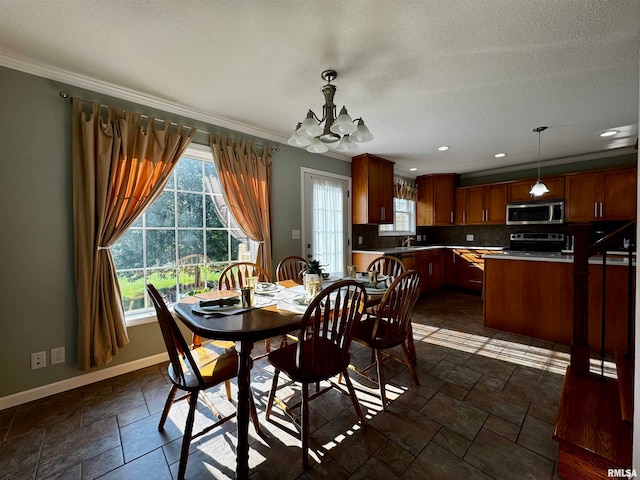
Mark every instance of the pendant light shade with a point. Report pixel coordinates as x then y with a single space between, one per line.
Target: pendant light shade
538 188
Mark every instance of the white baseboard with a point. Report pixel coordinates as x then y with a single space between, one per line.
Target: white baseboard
79 381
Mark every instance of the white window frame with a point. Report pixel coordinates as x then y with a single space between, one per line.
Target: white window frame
148 315
393 230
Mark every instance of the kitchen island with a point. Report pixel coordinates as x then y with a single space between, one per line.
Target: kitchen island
532 294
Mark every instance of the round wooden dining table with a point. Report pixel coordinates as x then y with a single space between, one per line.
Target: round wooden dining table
244 329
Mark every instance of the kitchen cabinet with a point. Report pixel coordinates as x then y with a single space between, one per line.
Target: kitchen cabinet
603 195
519 191
363 260
436 198
372 185
487 204
430 265
460 211
469 268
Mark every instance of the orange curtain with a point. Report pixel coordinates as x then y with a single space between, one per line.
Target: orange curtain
246 184
119 167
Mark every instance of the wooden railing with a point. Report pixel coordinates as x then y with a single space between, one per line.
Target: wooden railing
582 251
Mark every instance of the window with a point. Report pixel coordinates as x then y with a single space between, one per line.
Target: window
183 240
404 219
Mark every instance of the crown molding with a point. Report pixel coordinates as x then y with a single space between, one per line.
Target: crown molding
106 88
555 161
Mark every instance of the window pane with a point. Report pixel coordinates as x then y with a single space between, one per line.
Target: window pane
189 174
127 252
190 243
132 289
162 212
239 239
190 210
161 248
217 245
165 282
213 219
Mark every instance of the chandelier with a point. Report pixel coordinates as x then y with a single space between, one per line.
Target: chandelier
538 188
348 133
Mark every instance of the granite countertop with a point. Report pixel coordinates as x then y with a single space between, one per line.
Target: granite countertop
613 258
417 248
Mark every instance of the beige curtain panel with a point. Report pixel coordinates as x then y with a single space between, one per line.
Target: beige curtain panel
119 168
245 177
405 190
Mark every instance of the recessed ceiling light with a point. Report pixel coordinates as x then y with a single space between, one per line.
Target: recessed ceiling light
500 155
413 169
609 133
443 148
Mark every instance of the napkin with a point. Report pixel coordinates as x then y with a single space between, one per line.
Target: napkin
220 302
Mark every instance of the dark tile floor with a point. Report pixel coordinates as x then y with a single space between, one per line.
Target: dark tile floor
484 409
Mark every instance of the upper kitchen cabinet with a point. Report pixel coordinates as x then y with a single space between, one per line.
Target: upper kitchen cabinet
602 195
372 181
519 191
436 197
486 205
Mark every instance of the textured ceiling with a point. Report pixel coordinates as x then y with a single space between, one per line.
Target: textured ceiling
475 75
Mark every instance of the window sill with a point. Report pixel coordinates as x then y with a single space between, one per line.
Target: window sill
141 318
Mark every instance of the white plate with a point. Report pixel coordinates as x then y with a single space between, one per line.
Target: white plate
375 291
266 287
214 308
300 301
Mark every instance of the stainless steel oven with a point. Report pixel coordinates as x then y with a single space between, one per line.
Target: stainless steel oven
535 213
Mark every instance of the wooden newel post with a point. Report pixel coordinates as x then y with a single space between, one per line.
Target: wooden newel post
580 341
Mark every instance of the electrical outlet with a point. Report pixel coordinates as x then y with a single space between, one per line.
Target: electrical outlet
295 234
57 355
38 360
360 240
470 238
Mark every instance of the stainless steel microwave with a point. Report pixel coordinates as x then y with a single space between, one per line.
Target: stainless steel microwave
535 213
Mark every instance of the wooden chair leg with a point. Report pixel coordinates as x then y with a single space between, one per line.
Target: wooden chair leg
410 364
354 399
227 387
272 394
381 380
167 407
186 439
305 426
412 357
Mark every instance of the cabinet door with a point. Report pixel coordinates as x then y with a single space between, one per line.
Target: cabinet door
619 199
475 206
495 204
436 271
519 191
450 267
374 201
461 206
422 266
385 191
435 199
583 196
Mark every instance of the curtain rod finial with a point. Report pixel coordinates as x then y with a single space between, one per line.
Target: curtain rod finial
65 95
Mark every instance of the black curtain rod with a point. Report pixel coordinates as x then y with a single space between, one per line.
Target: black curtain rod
66 96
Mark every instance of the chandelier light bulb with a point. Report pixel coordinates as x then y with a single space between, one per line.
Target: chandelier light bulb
310 127
343 124
297 140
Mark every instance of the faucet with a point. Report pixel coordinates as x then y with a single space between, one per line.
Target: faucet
406 241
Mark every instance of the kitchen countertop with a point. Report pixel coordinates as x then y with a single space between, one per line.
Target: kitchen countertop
613 258
417 248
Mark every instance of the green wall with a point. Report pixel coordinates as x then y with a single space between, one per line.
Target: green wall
36 226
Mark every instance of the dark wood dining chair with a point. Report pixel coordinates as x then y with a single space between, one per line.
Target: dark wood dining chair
235 274
290 268
193 371
321 353
387 265
389 328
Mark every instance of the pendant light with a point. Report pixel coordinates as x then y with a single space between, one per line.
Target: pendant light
539 188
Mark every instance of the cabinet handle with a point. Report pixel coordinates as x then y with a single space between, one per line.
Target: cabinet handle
464 216
595 209
452 216
475 281
601 210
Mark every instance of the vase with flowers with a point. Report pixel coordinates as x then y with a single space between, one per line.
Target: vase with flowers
312 271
